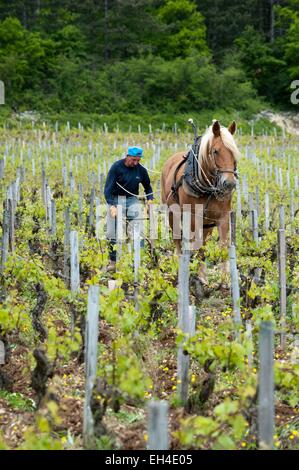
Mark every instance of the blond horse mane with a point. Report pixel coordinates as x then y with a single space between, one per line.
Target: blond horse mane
207 139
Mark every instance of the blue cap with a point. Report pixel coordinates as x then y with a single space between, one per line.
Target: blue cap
135 152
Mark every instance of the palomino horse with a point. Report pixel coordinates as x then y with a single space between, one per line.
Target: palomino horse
216 179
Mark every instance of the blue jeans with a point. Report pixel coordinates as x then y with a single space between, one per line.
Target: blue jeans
132 213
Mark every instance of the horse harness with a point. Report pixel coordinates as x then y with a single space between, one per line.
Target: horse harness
192 179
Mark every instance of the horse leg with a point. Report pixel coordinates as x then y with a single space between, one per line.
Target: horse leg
178 247
202 274
223 229
177 241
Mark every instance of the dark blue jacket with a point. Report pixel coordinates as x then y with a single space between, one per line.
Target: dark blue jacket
128 178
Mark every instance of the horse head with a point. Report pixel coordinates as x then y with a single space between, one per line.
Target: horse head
218 156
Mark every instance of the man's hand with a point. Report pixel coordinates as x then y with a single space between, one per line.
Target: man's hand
113 211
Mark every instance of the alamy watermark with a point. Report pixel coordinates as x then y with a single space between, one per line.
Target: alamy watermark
186 222
295 94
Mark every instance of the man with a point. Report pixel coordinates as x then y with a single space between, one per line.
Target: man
123 179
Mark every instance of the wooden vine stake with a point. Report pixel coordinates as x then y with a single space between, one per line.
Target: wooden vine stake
183 298
186 235
239 201
2 166
91 212
2 353
5 236
98 218
187 326
80 204
153 227
235 285
267 212
75 273
44 184
66 259
281 217
137 258
91 356
257 200
11 218
266 386
158 425
250 340
53 218
254 226
232 219
120 225
184 325
282 284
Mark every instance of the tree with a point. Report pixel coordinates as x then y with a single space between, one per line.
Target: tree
127 28
292 48
261 64
25 58
226 21
288 20
185 30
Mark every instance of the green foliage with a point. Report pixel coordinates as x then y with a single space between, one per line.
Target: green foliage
17 401
288 16
127 29
104 443
127 417
25 58
40 436
226 20
99 56
218 347
40 441
224 430
185 29
263 68
295 313
62 346
123 370
151 84
287 382
225 427
3 446
161 64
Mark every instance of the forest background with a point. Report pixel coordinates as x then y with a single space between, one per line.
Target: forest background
148 59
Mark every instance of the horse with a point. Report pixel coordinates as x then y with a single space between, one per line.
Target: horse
215 182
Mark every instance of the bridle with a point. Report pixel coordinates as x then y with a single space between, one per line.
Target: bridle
219 171
212 188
